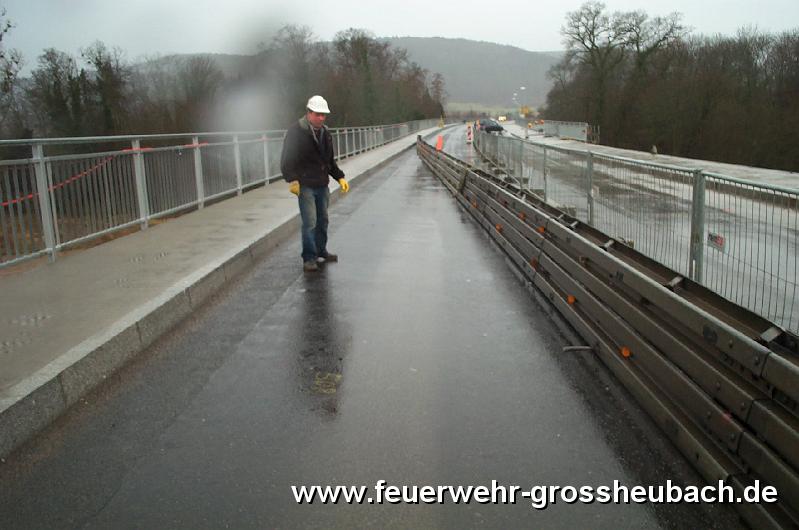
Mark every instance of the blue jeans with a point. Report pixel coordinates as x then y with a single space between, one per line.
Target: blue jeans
313 212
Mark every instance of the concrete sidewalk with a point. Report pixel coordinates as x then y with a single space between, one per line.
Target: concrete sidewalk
67 325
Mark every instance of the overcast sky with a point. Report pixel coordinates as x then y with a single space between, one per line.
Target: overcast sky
149 27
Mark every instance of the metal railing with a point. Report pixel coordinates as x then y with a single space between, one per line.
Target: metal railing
123 182
736 237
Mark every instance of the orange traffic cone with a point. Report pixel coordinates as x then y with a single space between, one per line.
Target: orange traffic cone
439 143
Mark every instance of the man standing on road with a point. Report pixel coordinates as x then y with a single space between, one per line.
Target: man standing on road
307 162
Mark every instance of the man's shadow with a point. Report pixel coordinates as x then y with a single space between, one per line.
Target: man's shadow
323 344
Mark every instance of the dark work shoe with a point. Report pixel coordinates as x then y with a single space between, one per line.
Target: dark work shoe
310 266
327 257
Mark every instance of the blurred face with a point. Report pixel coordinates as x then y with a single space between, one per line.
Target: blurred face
316 119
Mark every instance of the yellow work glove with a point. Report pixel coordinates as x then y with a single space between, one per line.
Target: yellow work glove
294 187
345 186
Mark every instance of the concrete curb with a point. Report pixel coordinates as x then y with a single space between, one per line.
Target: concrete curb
39 400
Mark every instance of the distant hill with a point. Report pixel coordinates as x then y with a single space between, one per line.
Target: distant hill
475 72
482 72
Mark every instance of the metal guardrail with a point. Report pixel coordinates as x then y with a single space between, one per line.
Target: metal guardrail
140 178
720 381
737 237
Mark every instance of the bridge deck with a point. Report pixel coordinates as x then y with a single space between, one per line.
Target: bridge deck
115 298
425 363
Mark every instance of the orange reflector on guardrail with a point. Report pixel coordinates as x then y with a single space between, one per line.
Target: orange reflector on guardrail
521 216
625 352
570 300
498 227
541 229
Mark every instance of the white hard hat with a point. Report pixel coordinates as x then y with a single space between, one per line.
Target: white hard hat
318 104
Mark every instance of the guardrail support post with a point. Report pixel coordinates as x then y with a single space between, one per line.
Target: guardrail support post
590 184
237 159
45 205
544 172
338 145
141 184
346 143
198 172
696 264
266 159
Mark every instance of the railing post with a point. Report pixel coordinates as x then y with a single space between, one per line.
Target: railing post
45 205
141 184
544 172
590 183
346 143
509 155
696 263
338 145
266 159
198 172
237 159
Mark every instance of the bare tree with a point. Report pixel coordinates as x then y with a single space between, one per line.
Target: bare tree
733 99
10 65
646 36
109 87
293 71
597 40
10 60
59 93
437 90
199 81
153 96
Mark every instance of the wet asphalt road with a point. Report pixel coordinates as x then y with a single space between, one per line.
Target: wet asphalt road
418 359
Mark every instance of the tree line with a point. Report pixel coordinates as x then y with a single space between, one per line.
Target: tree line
646 81
365 81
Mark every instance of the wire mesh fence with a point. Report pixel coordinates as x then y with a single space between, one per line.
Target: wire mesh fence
646 207
750 247
739 238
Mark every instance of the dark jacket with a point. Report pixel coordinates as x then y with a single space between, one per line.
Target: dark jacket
306 160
